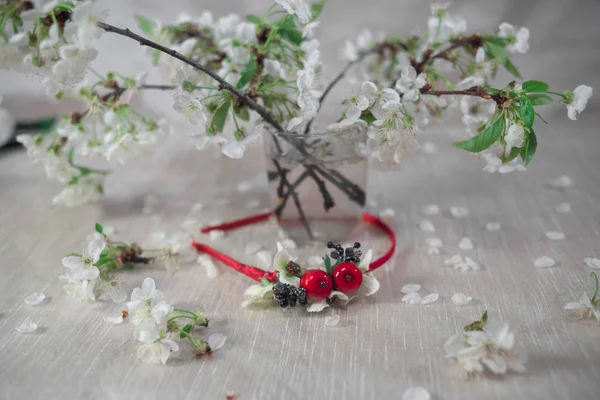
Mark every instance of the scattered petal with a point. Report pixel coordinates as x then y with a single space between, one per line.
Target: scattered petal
544 262
426 226
412 298
433 251
563 208
252 248
117 294
332 320
115 319
472 264
434 242
554 235
465 244
387 213
593 263
244 187
493 226
560 183
416 393
216 235
431 209
460 299
197 207
289 243
216 341
459 212
431 298
27 327
207 262
35 298
265 258
410 288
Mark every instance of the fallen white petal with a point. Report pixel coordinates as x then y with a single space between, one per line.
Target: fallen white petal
472 264
493 226
430 298
216 235
460 299
211 269
465 244
252 204
332 320
117 294
191 225
433 251
544 262
27 327
252 248
197 207
387 213
34 298
554 235
244 187
431 209
434 242
416 393
216 341
265 258
562 182
563 208
115 319
410 288
593 263
426 226
289 244
459 212
412 298
455 259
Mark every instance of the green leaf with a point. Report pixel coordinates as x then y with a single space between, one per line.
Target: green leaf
316 9
328 267
248 72
145 25
539 99
99 228
485 139
219 117
368 117
254 19
242 113
265 282
496 52
527 113
510 67
289 32
500 41
528 151
535 86
514 152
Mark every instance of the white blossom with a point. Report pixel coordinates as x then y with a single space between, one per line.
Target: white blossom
519 38
493 349
86 17
82 267
355 106
515 136
581 95
297 7
86 189
378 98
585 308
156 345
410 84
190 108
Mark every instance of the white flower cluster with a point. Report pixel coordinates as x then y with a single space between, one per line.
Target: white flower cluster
493 349
442 25
149 313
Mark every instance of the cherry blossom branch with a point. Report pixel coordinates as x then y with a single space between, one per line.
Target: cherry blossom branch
477 91
223 84
475 40
337 79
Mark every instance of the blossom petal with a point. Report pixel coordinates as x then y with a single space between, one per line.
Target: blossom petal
317 306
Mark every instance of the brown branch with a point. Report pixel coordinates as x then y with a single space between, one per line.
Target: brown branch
477 91
328 202
223 84
475 40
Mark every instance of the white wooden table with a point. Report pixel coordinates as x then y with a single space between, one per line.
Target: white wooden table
381 346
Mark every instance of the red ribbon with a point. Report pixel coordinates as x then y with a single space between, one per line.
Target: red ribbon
256 273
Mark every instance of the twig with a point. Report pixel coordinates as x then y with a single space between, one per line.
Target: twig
336 80
292 192
223 84
328 202
477 91
158 87
474 40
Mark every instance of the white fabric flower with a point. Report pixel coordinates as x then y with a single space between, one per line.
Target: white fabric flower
156 346
519 38
585 308
319 306
298 8
581 94
257 294
82 267
410 84
370 284
280 263
515 136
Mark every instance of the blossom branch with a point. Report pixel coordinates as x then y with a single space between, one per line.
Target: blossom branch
477 91
475 40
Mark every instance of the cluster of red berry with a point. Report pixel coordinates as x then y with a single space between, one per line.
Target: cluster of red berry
345 277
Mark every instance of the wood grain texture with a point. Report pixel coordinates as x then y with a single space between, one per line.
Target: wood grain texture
381 346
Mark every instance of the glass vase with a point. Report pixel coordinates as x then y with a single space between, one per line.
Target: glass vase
317 182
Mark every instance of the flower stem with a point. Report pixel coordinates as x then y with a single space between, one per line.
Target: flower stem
593 301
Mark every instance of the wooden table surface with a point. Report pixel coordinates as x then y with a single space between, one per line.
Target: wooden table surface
381 346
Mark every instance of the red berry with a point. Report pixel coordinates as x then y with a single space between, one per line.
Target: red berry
317 284
347 278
